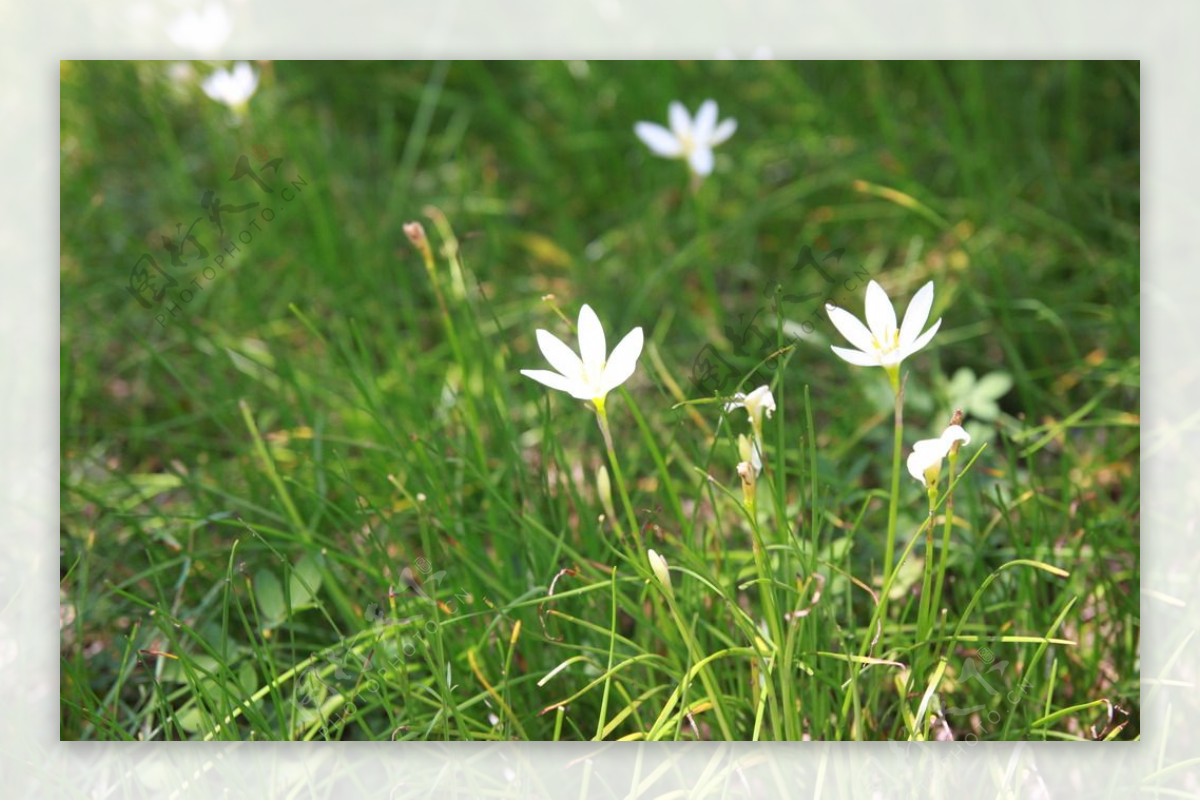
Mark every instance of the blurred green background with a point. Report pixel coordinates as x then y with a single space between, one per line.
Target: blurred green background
1013 185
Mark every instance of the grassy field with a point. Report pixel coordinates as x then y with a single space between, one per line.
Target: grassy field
307 493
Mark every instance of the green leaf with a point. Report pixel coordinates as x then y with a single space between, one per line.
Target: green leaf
908 575
961 384
836 550
268 591
247 679
305 581
994 385
198 667
191 719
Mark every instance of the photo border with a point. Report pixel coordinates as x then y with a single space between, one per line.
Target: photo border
1158 34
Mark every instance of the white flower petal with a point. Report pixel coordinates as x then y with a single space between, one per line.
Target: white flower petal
623 361
881 317
954 434
245 78
930 448
214 85
760 400
723 132
851 328
556 381
929 453
681 122
205 31
232 88
857 356
561 357
701 160
921 341
916 314
916 466
705 122
592 348
739 399
660 141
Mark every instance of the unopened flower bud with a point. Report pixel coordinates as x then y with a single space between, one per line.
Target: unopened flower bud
416 234
661 572
605 490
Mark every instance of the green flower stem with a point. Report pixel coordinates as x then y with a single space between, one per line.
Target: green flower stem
889 552
762 564
939 584
706 677
700 205
876 620
766 589
926 606
750 502
619 477
612 644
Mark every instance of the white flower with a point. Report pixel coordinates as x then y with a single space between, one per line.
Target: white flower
232 88
661 570
204 31
691 139
759 401
589 376
880 343
925 461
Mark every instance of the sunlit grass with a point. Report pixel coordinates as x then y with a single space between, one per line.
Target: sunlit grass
319 500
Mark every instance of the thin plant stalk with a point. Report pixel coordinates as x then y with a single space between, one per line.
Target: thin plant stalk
889 552
943 556
762 562
875 622
926 606
767 592
700 206
706 677
619 477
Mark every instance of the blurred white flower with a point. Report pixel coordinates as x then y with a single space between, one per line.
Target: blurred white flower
591 375
925 461
758 401
202 31
880 342
689 138
234 88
